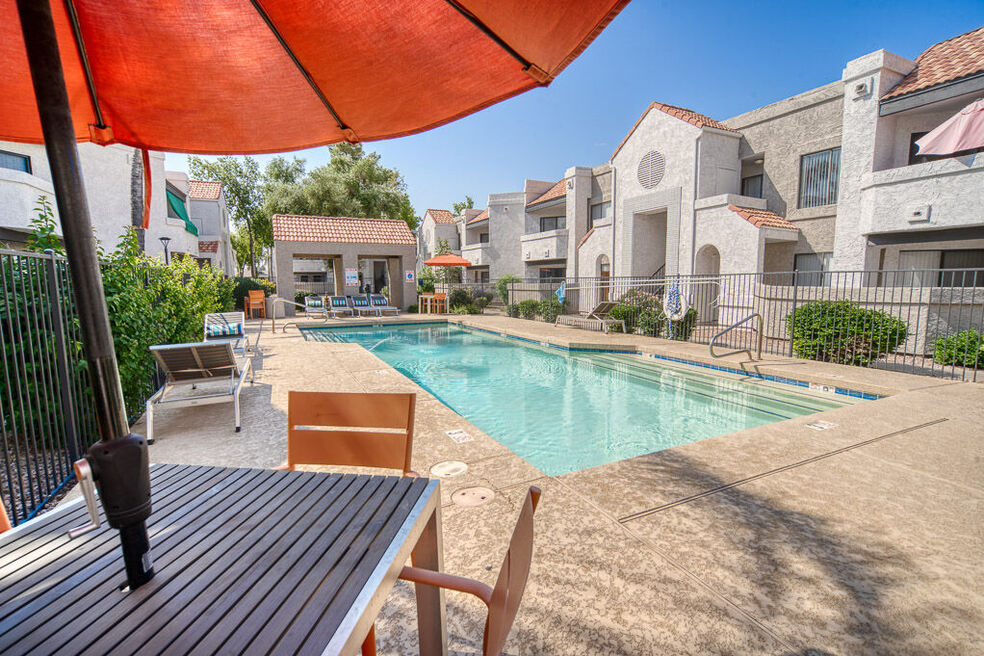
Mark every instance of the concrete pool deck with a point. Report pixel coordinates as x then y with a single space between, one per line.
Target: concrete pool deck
862 538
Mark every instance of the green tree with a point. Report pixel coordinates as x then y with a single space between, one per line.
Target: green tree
43 229
352 183
461 206
243 185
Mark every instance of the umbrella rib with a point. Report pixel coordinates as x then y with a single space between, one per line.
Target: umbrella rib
73 17
350 133
529 67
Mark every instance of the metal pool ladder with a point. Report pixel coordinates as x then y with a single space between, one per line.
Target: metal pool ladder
759 330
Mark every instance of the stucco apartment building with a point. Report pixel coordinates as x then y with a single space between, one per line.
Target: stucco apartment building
113 177
825 180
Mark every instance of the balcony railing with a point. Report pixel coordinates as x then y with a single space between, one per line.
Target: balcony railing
549 245
477 254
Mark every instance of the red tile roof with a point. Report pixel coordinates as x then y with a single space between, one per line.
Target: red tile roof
479 217
341 229
762 218
682 113
204 189
556 191
441 216
585 237
943 62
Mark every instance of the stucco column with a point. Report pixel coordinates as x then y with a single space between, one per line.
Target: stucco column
348 260
283 268
338 273
865 143
394 271
578 193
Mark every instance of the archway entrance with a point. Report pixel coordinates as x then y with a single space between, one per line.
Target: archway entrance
707 268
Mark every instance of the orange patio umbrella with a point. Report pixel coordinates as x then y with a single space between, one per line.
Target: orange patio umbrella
448 260
246 76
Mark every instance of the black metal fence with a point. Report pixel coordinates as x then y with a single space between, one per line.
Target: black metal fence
917 321
45 407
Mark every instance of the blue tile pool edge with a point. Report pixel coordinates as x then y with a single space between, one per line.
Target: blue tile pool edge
857 394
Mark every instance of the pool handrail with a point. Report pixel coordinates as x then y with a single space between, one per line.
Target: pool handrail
273 314
759 331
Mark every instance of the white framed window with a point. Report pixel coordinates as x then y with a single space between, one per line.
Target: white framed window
552 223
15 161
819 175
598 212
812 268
752 186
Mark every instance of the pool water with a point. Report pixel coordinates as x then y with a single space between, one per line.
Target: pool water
564 411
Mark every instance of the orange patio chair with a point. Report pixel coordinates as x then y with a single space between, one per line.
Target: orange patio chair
4 520
319 430
437 301
255 303
502 600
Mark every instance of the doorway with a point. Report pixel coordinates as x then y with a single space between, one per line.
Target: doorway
604 277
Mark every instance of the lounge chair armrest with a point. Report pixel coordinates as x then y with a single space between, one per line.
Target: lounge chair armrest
449 581
284 467
412 474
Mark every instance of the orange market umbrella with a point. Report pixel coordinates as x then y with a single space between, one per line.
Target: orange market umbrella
448 260
245 76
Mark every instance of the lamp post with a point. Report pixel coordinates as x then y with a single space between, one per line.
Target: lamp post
164 242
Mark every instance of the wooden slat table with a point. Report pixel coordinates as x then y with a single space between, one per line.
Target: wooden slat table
247 561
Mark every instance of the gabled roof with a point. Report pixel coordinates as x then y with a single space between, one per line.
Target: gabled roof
688 115
556 191
441 216
204 189
762 218
943 62
478 218
342 229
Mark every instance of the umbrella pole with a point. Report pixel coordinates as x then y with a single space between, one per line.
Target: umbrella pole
119 461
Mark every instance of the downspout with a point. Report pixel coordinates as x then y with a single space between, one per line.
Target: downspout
614 191
693 211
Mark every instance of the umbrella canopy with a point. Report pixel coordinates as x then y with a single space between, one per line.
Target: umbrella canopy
448 260
253 76
962 131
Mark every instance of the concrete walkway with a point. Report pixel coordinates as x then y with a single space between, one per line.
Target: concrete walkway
861 539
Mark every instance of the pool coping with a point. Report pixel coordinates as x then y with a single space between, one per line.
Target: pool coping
615 349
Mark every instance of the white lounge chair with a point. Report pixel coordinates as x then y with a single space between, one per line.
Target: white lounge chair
186 366
223 326
339 305
361 305
596 319
315 306
380 303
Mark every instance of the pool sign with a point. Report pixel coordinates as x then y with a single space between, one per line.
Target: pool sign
408 275
351 277
459 436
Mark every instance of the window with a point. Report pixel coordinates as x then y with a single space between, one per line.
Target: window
752 186
812 267
598 212
483 238
15 161
919 159
549 273
552 223
483 276
922 268
819 173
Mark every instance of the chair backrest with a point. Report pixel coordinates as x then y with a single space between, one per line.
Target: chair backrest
379 299
440 296
511 583
4 520
339 301
314 302
183 362
225 324
360 300
602 310
256 296
359 429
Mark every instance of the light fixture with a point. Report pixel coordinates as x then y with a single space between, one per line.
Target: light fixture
759 160
164 242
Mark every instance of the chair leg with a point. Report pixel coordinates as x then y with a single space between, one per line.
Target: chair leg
369 644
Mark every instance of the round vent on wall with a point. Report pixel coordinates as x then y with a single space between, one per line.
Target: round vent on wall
651 169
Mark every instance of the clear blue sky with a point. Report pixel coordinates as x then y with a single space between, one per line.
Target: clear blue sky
718 58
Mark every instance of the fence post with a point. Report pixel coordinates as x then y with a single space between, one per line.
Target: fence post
792 315
61 350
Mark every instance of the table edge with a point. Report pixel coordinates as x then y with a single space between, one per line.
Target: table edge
361 616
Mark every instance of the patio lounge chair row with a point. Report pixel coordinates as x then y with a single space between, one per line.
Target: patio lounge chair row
355 305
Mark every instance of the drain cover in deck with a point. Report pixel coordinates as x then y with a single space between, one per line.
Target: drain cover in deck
449 468
472 496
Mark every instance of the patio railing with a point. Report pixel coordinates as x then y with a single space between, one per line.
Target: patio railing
924 322
45 409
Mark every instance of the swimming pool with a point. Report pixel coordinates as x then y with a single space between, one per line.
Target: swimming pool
563 411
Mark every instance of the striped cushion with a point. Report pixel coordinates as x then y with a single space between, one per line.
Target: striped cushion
361 302
379 300
312 301
223 329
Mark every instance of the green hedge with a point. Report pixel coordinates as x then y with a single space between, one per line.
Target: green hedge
550 309
529 308
843 332
964 349
512 310
469 308
502 286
